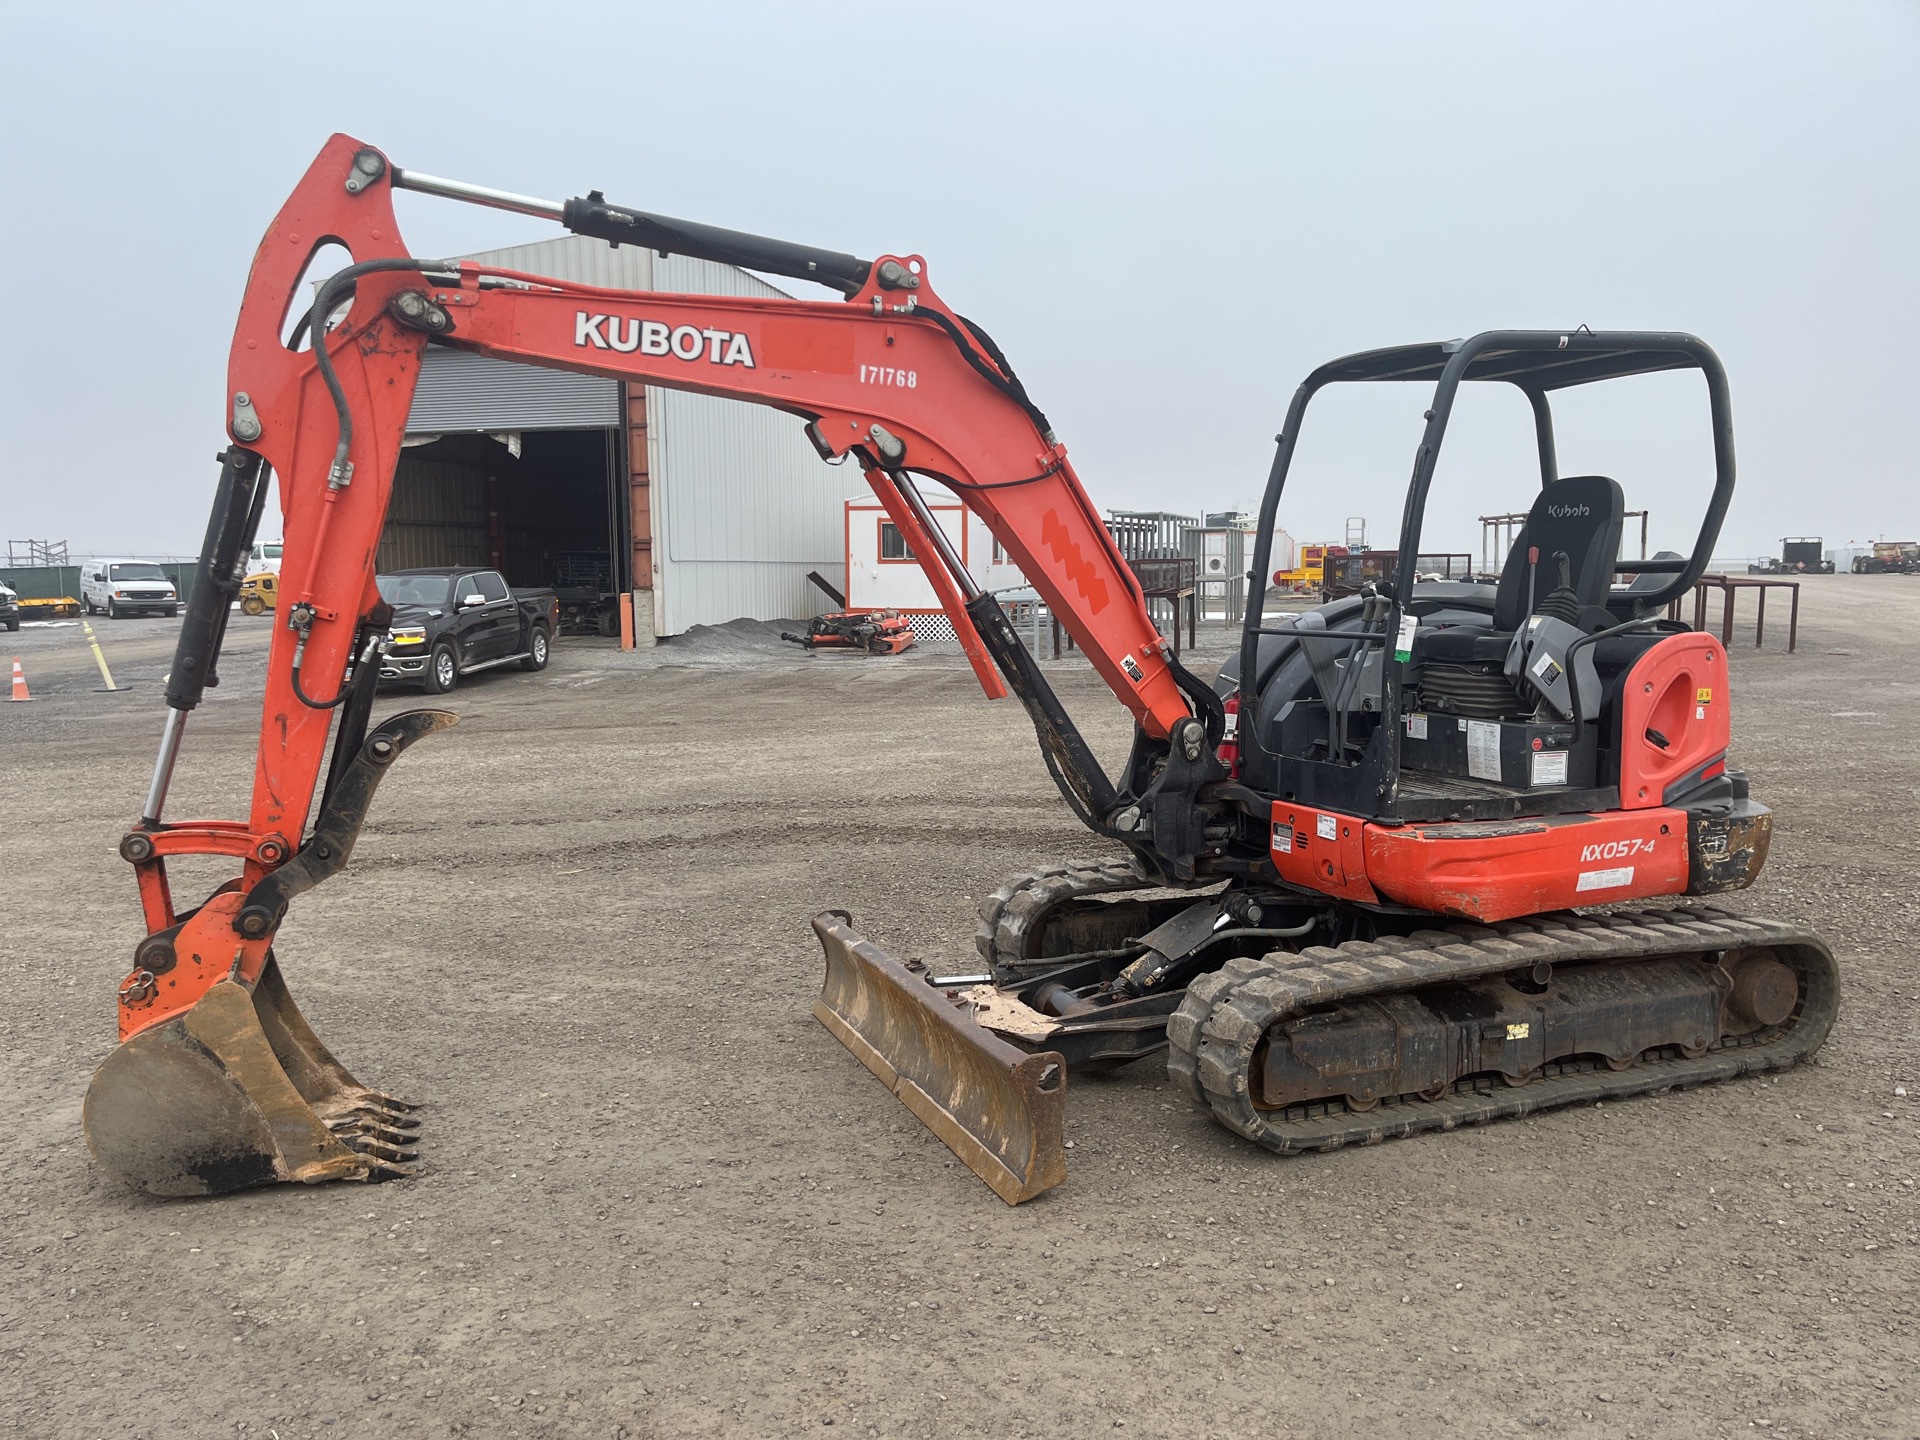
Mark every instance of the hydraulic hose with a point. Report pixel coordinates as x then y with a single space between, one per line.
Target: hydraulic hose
341 472
323 303
1003 379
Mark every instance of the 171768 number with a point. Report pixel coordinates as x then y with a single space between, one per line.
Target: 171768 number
889 375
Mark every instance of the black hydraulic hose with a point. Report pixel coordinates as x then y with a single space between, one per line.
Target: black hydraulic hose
999 357
1208 706
1003 379
323 303
346 690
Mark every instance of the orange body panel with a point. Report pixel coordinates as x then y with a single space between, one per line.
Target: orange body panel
1677 690
851 365
1491 871
1322 850
1484 870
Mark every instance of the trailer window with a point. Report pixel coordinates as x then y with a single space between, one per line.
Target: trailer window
893 545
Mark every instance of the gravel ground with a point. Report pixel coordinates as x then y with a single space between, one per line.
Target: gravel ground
659 1200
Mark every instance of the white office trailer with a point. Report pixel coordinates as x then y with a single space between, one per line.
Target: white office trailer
884 574
703 509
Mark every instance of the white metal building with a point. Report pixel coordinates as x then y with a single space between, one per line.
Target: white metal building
707 510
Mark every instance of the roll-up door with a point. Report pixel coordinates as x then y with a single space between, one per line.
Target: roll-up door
461 392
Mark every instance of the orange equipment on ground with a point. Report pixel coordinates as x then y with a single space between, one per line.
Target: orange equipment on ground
878 632
1340 898
19 682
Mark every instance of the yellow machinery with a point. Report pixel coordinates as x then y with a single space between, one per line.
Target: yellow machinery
258 591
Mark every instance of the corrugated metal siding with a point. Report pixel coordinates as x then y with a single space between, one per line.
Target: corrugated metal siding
683 275
460 392
743 507
581 260
438 516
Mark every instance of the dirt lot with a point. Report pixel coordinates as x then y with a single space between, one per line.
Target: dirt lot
658 1199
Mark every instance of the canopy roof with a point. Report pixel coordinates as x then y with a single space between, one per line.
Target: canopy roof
1532 359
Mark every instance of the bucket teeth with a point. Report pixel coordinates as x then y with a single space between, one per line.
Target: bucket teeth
389 1102
364 1109
372 1130
367 1145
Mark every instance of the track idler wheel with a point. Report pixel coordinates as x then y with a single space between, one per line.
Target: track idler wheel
238 1091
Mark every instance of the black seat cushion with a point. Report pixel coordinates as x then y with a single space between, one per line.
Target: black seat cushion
1579 516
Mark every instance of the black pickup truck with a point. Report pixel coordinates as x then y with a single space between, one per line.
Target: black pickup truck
450 621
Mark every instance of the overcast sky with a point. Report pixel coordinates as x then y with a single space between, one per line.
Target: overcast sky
1166 215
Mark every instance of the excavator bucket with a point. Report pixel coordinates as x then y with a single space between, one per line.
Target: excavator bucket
997 1107
235 1092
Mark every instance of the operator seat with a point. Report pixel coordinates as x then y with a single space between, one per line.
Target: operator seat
1580 517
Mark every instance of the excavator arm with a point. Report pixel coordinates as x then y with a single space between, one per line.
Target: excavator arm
218 1082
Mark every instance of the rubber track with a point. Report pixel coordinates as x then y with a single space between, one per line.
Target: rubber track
1016 909
1217 1028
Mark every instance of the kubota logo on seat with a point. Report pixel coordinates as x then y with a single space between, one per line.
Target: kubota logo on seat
655 337
1567 512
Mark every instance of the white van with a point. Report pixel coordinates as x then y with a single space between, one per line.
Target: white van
127 587
265 556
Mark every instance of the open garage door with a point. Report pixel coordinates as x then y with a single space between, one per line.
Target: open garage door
519 468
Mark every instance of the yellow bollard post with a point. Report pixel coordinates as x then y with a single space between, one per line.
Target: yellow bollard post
98 658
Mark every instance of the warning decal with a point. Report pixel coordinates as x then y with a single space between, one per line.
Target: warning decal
1483 750
1605 879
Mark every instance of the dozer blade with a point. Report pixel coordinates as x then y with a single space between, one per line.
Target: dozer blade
236 1092
995 1106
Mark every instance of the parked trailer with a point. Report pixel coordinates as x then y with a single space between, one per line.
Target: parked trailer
1890 557
1799 555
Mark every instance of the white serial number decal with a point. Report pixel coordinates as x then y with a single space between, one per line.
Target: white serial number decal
888 375
1616 850
1604 879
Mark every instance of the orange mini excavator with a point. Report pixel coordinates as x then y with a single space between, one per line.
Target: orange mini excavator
1345 896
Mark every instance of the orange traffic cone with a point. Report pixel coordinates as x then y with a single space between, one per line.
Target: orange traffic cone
19 682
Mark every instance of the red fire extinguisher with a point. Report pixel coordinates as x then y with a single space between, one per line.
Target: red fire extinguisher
1229 751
